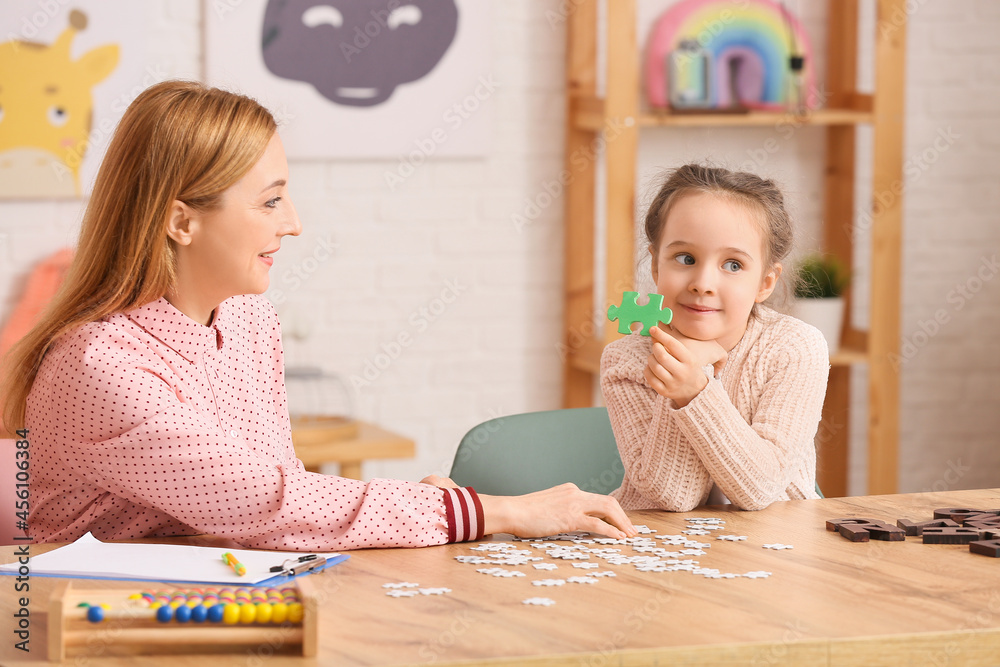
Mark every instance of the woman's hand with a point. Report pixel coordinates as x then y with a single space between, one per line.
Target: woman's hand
560 509
674 367
440 482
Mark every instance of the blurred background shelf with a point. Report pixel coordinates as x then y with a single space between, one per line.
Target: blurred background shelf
620 108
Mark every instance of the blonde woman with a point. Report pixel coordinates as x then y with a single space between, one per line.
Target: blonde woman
153 386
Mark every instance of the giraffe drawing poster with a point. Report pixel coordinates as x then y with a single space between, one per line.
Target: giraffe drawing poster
67 72
407 79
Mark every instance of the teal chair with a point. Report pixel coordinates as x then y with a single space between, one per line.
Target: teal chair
517 454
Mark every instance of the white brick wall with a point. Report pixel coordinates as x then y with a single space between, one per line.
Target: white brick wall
493 349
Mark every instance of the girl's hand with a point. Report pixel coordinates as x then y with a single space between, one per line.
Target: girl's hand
560 509
674 370
706 352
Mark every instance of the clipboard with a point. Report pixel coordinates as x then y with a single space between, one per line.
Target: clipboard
89 558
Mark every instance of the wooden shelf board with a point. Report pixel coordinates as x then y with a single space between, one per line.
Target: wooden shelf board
589 114
847 356
757 118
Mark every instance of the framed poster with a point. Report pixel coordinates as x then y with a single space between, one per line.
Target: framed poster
360 78
67 73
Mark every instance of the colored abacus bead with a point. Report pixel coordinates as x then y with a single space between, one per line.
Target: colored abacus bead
95 614
264 613
231 614
215 613
199 613
279 613
183 614
247 613
164 613
295 612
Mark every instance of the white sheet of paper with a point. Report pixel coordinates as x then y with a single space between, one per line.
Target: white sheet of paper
89 557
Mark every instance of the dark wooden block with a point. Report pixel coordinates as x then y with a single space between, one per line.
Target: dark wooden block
861 530
987 521
916 528
986 548
854 532
950 535
833 524
960 514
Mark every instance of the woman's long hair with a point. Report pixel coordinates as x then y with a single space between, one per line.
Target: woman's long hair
178 140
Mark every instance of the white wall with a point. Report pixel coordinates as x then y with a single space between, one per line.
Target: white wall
493 349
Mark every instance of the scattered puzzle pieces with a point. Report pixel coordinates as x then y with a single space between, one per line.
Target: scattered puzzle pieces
778 547
477 560
405 584
434 591
545 566
548 582
541 602
500 572
399 593
629 312
732 538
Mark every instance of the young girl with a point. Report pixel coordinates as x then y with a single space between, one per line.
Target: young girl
717 239
153 386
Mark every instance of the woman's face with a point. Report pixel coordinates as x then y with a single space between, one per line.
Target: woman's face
232 246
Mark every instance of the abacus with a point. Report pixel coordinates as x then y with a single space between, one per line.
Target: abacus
206 619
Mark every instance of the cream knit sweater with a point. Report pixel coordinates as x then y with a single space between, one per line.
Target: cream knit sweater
750 431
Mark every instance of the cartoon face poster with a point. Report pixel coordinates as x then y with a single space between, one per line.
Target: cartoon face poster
360 78
67 73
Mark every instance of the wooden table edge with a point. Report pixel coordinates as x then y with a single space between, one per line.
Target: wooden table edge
867 651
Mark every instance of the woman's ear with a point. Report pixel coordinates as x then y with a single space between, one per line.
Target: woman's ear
768 283
652 254
179 222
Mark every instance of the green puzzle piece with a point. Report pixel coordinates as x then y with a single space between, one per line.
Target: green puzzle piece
629 313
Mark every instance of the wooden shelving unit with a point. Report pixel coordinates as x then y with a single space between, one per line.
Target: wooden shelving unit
588 115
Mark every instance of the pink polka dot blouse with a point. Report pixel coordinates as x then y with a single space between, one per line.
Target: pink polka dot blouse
147 424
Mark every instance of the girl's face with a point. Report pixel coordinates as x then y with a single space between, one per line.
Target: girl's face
709 268
233 244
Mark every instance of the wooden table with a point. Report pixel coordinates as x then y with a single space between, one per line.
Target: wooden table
828 602
371 442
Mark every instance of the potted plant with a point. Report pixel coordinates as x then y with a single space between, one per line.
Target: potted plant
820 282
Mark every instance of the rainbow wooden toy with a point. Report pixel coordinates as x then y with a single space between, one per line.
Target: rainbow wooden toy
188 620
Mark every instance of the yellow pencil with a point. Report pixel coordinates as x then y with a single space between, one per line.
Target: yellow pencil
238 567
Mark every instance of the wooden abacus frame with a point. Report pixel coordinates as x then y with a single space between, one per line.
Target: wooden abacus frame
70 633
